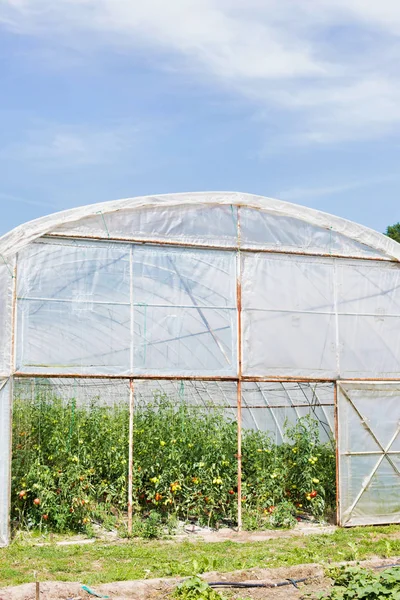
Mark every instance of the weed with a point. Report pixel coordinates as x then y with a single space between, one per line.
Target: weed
353 583
195 588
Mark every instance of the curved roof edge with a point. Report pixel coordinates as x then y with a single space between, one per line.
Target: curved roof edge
16 239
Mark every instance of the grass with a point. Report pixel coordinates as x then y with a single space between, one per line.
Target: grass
105 562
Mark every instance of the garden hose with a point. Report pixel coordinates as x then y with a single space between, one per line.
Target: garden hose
288 581
236 584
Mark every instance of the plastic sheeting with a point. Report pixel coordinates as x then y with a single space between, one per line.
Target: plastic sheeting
288 316
274 406
94 308
368 304
5 458
164 215
320 317
261 229
6 287
369 453
117 309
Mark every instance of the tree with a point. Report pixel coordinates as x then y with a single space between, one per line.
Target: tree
393 231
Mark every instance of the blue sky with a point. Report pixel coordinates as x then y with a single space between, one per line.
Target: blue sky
106 99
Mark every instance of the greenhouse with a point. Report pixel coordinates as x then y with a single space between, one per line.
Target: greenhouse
169 352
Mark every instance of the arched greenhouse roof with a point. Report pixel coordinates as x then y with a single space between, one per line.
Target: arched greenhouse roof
210 215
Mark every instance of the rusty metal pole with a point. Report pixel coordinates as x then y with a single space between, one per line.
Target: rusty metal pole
239 383
239 453
130 460
335 398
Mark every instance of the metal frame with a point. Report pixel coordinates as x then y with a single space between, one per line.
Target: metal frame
177 243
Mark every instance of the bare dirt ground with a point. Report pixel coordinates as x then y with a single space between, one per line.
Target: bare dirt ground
192 533
226 534
160 589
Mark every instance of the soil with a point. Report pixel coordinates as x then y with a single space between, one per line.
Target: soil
160 589
206 534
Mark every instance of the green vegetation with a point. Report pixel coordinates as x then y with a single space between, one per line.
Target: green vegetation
195 588
353 583
104 562
70 466
393 231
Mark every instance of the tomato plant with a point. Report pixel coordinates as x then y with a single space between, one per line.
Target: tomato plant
70 466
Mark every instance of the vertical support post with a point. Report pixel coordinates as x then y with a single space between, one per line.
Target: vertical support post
14 317
130 460
11 383
335 397
239 453
239 383
132 314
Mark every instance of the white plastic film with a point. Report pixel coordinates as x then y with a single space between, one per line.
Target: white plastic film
73 222
368 303
184 311
369 453
274 406
91 308
261 229
6 289
288 316
5 460
74 309
194 224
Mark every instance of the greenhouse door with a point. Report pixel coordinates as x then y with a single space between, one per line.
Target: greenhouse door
369 453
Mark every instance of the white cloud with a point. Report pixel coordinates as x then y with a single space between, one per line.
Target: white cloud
331 65
54 146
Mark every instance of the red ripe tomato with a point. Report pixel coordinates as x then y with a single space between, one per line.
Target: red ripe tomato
231 492
36 502
271 509
45 517
313 493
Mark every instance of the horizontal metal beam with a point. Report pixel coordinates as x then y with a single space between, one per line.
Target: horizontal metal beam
244 378
125 376
185 244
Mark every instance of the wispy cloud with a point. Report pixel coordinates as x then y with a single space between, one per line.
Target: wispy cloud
10 198
331 65
302 193
54 146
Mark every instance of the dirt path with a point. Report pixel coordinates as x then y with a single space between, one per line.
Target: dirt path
159 589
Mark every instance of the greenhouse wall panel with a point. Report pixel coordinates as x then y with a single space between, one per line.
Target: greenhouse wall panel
289 325
368 297
6 292
273 406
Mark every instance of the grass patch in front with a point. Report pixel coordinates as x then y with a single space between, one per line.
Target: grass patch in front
105 562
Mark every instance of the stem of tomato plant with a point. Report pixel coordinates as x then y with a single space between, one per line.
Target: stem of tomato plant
130 460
